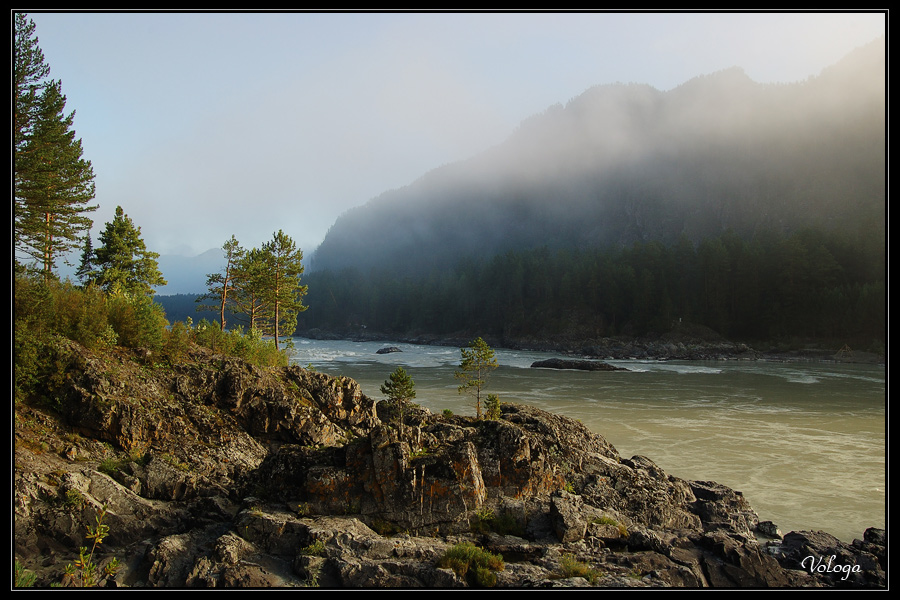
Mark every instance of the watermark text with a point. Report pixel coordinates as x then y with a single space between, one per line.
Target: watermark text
819 564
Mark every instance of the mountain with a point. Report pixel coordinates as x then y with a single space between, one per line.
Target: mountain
627 163
187 274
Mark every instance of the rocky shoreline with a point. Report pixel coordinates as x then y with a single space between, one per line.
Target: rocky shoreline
216 474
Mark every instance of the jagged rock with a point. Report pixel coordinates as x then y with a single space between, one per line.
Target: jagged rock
388 350
834 563
728 560
768 529
219 474
567 516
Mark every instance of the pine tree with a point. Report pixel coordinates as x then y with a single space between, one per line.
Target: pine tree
123 261
86 268
250 283
399 388
220 286
29 75
477 363
283 293
53 184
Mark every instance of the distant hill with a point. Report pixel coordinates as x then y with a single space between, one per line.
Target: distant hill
626 163
187 274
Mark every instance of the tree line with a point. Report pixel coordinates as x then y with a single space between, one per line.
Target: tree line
807 284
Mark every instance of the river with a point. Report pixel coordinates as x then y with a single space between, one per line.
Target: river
805 442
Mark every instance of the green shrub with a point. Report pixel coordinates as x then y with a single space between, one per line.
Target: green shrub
32 305
42 310
110 466
85 572
138 321
569 566
484 517
177 341
317 548
81 314
476 565
485 577
492 407
97 319
22 577
604 520
250 346
28 353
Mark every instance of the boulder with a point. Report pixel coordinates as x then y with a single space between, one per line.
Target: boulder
833 563
580 365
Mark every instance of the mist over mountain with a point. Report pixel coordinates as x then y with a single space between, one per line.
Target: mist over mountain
627 163
187 274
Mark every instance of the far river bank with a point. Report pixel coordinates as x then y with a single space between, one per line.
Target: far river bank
683 343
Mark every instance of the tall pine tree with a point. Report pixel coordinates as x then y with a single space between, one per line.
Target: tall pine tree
250 283
477 363
221 286
283 293
29 77
53 183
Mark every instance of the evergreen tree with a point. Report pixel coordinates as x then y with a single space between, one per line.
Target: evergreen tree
53 184
29 78
477 363
123 261
250 283
399 388
220 286
283 292
29 75
86 268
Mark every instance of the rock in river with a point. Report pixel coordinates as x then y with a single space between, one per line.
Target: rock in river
582 365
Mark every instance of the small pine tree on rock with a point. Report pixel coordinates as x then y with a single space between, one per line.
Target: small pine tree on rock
399 388
477 363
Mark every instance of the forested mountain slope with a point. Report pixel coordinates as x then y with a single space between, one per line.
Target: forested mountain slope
627 163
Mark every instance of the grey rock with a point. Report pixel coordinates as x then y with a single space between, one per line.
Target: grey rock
580 365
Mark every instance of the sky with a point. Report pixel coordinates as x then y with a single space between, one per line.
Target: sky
204 125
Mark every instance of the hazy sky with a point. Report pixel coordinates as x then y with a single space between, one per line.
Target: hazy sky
204 125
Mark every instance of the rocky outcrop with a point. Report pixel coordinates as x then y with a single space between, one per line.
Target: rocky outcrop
215 473
833 563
